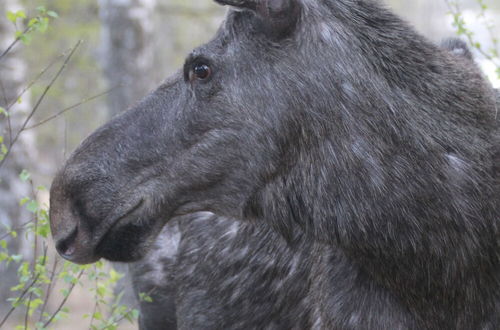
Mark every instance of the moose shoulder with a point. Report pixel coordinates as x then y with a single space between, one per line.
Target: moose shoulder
332 119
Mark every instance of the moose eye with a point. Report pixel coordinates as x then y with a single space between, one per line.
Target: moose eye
200 72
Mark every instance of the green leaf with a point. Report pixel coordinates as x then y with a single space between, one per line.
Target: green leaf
68 278
36 302
25 39
21 14
11 16
18 287
25 175
53 14
114 276
65 292
43 231
44 25
32 22
32 206
3 112
24 201
3 244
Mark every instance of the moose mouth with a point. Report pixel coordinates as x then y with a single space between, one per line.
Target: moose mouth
81 248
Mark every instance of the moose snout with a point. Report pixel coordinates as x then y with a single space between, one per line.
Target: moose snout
71 239
65 244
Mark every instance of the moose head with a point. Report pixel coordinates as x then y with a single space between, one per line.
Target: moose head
169 155
330 117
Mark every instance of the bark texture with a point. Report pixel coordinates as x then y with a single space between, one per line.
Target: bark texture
128 50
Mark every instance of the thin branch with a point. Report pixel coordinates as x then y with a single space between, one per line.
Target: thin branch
6 101
9 128
27 314
63 302
30 299
49 288
5 52
96 298
21 227
137 305
4 94
42 97
35 244
13 308
38 76
76 105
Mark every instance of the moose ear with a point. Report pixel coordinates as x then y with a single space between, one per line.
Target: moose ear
278 17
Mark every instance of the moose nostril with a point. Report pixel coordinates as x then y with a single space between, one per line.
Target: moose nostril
66 246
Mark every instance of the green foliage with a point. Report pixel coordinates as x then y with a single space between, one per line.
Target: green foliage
41 273
492 52
37 278
39 23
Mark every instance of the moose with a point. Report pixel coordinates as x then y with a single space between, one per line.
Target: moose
318 164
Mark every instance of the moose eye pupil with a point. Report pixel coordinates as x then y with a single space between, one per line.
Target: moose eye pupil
202 71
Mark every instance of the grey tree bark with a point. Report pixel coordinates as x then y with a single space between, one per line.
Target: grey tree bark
128 41
13 76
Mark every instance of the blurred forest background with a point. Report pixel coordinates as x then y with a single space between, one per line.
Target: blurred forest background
121 49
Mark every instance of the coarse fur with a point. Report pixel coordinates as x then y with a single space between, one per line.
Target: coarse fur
328 120
209 272
221 261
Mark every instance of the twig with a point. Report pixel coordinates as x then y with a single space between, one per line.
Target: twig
63 302
15 229
6 101
49 288
96 298
44 121
13 308
32 82
40 99
137 305
26 315
35 244
5 52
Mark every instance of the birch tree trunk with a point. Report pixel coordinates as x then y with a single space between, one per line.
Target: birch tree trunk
128 41
13 73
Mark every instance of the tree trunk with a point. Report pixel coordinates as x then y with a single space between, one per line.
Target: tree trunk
13 72
128 50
